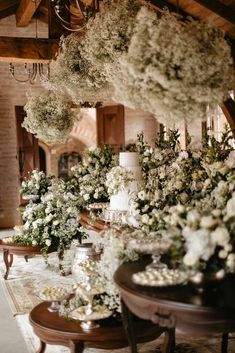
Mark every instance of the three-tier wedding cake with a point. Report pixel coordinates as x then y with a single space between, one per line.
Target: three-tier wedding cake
122 199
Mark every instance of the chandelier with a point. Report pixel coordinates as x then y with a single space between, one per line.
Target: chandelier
33 72
74 14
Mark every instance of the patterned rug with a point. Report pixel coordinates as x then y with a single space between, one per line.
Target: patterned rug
185 344
21 289
24 280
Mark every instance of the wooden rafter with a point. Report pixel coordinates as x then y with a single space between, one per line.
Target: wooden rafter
228 108
161 4
8 7
219 8
26 11
30 50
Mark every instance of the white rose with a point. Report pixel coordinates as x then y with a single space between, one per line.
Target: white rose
223 254
220 236
230 208
34 242
190 259
231 262
193 218
230 161
208 222
142 195
220 274
183 155
48 242
86 197
145 219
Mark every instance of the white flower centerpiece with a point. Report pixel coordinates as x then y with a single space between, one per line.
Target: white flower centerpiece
52 221
118 179
89 176
203 243
36 185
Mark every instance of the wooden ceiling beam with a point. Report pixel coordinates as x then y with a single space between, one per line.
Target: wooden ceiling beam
219 9
26 11
6 4
8 12
162 4
228 108
8 7
31 50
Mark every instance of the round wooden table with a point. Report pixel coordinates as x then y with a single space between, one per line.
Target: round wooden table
53 329
208 311
9 249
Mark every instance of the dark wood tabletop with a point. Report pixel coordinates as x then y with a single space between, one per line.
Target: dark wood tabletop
9 248
208 311
54 329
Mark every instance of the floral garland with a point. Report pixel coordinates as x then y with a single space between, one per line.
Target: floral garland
49 117
118 179
173 68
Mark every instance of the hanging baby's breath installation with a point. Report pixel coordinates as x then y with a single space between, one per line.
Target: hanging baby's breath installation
49 117
173 68
73 74
86 60
109 34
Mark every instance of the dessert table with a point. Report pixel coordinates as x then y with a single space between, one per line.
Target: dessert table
209 310
54 329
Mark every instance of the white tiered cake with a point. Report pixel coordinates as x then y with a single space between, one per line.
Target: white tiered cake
121 200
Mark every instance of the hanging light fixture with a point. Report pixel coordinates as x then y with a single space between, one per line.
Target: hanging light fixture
35 71
74 14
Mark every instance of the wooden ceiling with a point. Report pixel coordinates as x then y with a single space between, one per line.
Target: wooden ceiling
220 13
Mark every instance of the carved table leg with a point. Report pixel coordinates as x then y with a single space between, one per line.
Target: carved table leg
8 260
169 341
224 343
76 347
42 347
127 319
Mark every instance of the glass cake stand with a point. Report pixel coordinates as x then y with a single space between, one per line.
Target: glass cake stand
154 247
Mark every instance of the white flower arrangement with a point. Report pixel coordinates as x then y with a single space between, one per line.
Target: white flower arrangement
89 176
173 68
52 221
36 185
49 117
203 243
118 179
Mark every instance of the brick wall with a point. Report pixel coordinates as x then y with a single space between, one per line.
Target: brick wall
11 94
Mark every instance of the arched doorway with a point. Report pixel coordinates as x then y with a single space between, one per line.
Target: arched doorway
66 161
42 160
